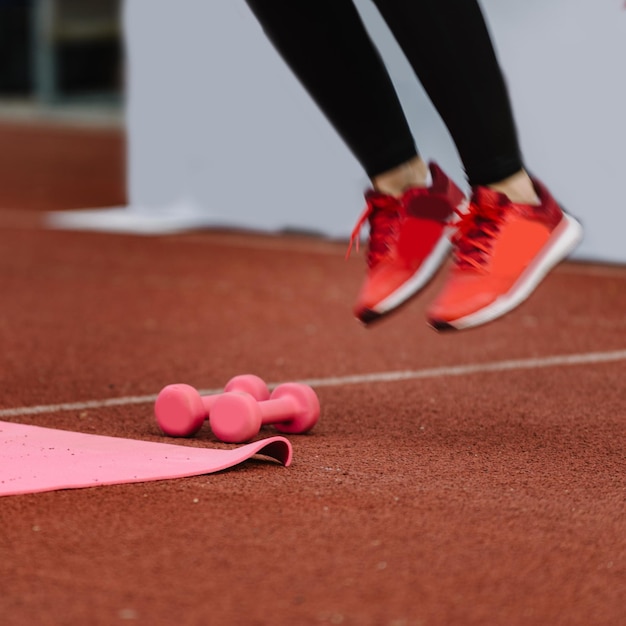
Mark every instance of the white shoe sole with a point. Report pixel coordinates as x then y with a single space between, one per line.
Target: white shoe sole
565 237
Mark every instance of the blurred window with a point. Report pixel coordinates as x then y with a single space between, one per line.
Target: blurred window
58 51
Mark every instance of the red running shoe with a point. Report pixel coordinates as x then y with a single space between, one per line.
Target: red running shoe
408 242
502 251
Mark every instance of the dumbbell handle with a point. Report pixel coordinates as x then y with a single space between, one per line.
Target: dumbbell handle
273 413
234 385
278 410
209 401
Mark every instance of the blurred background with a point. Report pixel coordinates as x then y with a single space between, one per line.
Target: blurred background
176 115
61 51
61 104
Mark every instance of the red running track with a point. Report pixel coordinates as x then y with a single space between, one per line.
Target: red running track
492 494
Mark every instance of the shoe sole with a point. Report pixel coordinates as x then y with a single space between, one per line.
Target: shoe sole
413 285
566 236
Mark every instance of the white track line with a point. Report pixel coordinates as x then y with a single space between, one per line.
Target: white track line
380 377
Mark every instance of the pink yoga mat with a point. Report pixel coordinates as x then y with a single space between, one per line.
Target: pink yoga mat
35 459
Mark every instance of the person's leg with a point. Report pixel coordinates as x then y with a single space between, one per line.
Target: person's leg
448 45
514 231
327 47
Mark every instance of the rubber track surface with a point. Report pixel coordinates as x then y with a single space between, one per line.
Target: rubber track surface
484 498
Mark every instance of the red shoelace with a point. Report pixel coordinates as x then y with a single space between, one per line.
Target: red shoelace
383 213
473 237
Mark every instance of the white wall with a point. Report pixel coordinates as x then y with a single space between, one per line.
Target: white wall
219 128
217 121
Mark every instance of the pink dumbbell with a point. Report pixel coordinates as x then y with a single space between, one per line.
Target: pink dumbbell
180 410
237 417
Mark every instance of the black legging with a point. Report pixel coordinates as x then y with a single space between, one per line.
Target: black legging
448 45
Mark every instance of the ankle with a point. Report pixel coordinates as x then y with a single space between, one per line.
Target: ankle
518 188
395 182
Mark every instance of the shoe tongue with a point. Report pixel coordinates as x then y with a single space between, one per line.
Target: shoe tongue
381 203
484 196
484 200
380 199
